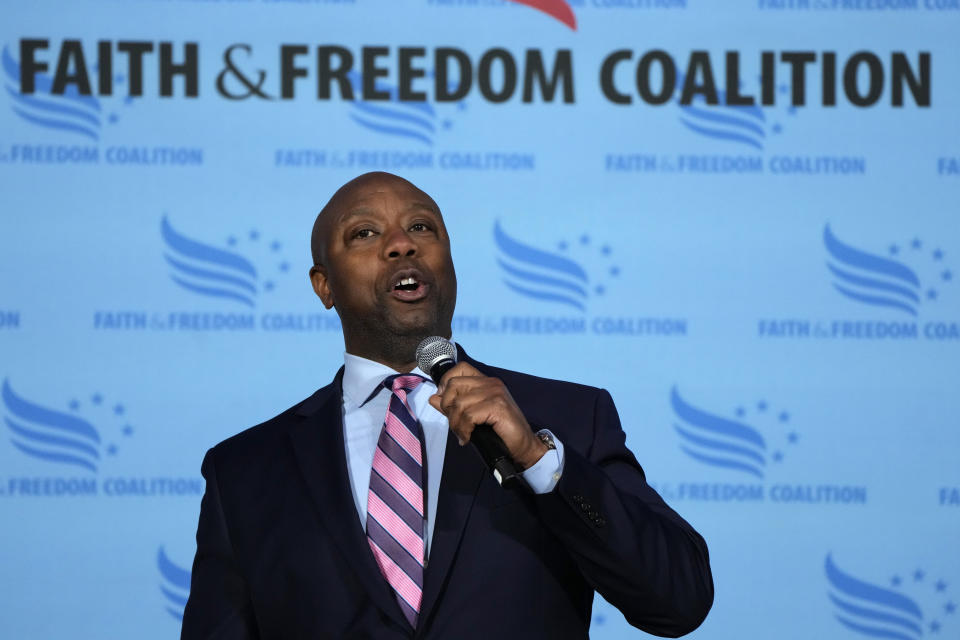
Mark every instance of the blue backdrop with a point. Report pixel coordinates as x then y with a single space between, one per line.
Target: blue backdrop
739 217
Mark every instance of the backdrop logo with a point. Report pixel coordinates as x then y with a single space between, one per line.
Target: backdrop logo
739 452
728 443
899 287
60 437
411 120
77 118
563 283
876 611
230 285
879 281
213 272
736 124
70 112
174 585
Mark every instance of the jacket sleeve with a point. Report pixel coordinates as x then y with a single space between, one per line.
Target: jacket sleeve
219 605
630 546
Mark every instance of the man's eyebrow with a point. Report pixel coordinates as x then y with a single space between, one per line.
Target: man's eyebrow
363 211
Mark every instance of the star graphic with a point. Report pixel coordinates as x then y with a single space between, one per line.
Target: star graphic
127 430
254 235
268 285
113 118
762 405
447 123
950 607
599 290
605 249
74 404
934 626
947 275
916 244
792 110
232 241
894 249
792 437
777 128
941 586
584 239
462 106
938 254
784 416
275 245
783 88
740 412
96 398
562 245
918 575
777 456
614 271
118 409
931 294
895 581
284 266
112 450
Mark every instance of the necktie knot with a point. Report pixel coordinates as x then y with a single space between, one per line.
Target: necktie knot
405 382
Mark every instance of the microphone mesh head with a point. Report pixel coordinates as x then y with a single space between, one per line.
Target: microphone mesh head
434 349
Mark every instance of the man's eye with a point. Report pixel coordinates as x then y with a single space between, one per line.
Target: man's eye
363 233
419 226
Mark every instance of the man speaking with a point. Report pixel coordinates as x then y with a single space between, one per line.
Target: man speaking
365 511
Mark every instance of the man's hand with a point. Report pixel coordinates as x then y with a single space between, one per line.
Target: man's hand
468 398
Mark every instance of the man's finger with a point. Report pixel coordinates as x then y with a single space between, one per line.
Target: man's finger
459 370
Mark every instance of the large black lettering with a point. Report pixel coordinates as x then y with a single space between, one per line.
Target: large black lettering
327 73
188 69
371 72
535 72
29 66
408 73
668 71
699 65
874 79
288 70
902 74
71 55
798 74
484 75
607 70
445 91
135 52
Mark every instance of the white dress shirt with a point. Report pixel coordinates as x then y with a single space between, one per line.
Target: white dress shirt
362 426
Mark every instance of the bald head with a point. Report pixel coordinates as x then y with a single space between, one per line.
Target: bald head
347 195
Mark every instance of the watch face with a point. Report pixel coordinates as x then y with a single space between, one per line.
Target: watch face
547 440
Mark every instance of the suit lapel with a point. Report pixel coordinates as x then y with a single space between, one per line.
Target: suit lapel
462 471
320 453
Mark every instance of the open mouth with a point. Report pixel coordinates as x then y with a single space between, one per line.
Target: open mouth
409 287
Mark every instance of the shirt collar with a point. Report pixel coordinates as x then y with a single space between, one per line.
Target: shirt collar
361 376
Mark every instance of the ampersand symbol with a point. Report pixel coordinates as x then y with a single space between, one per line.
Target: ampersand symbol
253 88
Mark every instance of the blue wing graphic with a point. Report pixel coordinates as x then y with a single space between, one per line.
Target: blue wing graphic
538 274
717 441
872 610
70 112
174 585
394 117
50 435
741 124
207 270
871 279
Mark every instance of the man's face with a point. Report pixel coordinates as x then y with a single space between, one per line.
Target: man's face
386 267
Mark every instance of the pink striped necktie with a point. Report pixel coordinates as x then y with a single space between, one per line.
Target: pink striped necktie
396 522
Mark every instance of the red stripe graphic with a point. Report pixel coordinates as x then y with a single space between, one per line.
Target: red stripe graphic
558 9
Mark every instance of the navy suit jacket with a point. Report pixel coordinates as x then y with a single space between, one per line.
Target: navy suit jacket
281 552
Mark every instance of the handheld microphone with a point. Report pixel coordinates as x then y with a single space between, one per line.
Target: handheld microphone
436 356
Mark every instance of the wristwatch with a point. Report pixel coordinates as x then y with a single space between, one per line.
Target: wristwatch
547 439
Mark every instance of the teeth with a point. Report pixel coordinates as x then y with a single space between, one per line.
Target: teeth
406 281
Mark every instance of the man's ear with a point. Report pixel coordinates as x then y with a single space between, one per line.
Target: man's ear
321 286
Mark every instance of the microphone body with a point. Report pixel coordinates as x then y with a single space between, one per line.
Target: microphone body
440 358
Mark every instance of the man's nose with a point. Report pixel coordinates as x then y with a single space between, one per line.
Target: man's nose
399 243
